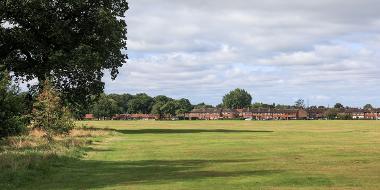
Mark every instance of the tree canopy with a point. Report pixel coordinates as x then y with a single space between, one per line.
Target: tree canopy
338 106
368 107
236 99
300 103
105 107
70 42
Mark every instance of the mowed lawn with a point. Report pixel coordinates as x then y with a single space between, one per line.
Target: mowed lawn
226 155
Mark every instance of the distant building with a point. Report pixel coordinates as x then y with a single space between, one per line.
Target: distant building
316 113
136 117
89 117
257 114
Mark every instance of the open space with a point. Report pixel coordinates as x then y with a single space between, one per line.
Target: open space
224 155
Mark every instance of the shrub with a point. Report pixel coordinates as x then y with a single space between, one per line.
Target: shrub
11 108
49 114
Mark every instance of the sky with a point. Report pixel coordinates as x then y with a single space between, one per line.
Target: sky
323 51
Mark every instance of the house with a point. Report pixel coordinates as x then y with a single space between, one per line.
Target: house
356 113
136 117
316 113
372 114
89 117
229 114
205 114
247 113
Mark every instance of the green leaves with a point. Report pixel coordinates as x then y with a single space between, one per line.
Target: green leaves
48 113
11 108
70 41
237 99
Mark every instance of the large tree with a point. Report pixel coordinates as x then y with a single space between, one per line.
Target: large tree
70 42
236 99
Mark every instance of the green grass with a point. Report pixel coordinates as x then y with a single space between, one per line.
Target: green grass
223 155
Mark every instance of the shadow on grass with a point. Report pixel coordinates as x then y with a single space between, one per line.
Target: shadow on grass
98 174
182 131
85 174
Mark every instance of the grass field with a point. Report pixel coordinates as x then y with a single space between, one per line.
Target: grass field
224 155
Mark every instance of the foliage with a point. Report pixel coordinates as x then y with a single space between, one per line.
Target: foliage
236 99
202 106
105 107
169 108
300 103
368 107
183 106
141 103
122 101
162 99
338 106
71 42
48 114
262 105
331 114
156 109
11 108
344 116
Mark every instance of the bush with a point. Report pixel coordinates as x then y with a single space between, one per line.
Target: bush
49 115
11 108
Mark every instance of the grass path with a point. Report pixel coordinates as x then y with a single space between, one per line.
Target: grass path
227 155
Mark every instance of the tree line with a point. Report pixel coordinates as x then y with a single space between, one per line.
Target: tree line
106 106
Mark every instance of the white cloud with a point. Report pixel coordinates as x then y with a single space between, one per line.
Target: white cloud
278 50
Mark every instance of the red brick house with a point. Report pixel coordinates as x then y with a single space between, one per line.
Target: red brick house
258 114
89 117
136 117
205 114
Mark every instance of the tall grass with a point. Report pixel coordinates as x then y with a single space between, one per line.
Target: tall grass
24 156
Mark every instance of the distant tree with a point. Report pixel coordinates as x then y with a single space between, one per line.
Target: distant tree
156 109
141 103
122 101
331 114
338 106
344 116
300 103
11 108
158 103
237 99
183 106
162 98
368 107
105 107
69 42
202 105
169 108
321 107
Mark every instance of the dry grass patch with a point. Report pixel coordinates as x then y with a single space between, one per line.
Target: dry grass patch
33 149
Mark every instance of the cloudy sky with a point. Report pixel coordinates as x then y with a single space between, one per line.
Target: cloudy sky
323 51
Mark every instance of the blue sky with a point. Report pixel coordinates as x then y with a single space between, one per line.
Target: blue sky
324 51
